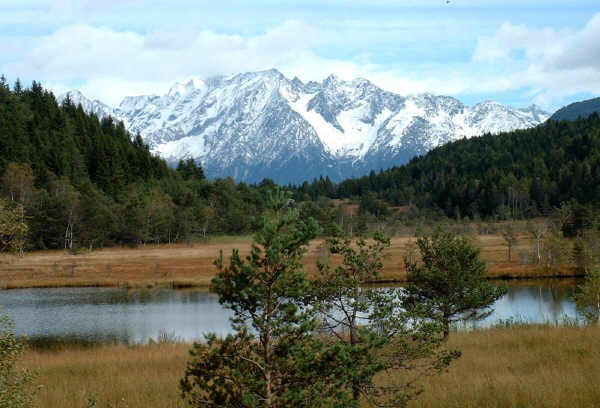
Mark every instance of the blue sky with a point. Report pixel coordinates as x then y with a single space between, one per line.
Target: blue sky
516 52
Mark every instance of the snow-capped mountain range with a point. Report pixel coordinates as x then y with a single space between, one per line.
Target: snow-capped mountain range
262 125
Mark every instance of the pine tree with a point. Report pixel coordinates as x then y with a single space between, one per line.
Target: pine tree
376 333
16 388
18 87
451 279
272 360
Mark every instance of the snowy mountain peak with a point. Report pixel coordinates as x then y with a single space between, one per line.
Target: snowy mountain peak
260 124
253 77
96 107
361 83
195 83
331 81
190 86
76 98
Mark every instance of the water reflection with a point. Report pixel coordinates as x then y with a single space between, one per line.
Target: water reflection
138 315
126 315
538 302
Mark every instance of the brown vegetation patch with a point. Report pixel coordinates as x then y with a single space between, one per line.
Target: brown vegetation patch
524 367
183 265
539 366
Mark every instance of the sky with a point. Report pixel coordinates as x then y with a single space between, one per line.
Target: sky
517 52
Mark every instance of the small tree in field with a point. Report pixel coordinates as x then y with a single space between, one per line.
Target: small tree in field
15 387
451 279
388 348
587 297
510 238
586 249
554 249
538 232
273 359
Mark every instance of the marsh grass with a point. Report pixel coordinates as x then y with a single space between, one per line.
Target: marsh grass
63 343
504 367
520 366
182 265
110 375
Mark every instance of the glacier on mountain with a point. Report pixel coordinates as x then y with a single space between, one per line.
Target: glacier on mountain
259 125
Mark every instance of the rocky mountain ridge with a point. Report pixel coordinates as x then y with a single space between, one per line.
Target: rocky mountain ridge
263 125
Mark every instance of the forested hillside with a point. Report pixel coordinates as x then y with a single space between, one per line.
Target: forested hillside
519 174
578 109
72 180
81 181
64 142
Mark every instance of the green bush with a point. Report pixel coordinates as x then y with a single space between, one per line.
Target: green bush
16 389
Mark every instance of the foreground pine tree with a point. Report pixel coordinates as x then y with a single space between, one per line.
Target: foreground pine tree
273 359
16 388
388 348
451 278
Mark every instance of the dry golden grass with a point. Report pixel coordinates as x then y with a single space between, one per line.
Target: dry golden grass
182 265
115 376
521 367
149 265
524 367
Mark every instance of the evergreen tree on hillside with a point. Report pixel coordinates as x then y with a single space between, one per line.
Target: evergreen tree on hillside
90 183
519 174
190 170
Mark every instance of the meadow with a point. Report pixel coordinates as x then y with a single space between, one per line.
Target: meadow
191 265
520 366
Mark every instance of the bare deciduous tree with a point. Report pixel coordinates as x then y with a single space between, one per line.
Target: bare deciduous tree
510 238
538 231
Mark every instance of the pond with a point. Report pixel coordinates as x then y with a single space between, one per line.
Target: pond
133 316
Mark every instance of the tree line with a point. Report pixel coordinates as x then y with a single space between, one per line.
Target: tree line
69 179
519 174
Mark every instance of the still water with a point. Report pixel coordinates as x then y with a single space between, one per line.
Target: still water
138 315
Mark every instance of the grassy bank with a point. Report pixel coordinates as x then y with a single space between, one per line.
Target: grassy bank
183 265
540 366
521 367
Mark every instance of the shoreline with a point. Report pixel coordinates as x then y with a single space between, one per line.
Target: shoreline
182 266
180 285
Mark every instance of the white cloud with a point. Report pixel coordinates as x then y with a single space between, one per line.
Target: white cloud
580 50
510 38
119 63
110 64
114 64
559 63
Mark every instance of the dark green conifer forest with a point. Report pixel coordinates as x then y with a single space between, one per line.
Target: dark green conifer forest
86 182
520 174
